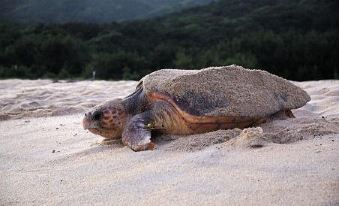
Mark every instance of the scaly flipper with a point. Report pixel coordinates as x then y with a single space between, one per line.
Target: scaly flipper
137 133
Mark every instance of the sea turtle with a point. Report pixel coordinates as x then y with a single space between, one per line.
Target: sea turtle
194 101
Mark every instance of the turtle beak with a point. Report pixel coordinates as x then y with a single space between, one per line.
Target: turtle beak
88 122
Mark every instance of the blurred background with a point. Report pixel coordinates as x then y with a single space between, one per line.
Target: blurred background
126 39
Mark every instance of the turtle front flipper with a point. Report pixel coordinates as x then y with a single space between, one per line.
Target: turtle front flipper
137 133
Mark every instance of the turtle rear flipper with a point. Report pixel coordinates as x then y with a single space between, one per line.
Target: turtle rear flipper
136 133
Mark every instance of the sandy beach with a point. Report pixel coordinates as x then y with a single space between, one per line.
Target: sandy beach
48 159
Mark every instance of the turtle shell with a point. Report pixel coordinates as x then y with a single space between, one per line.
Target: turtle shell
226 91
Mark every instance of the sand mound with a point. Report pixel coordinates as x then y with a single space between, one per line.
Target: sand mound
249 138
196 142
277 131
292 130
325 97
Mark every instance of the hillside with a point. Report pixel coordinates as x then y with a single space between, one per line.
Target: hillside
296 39
88 11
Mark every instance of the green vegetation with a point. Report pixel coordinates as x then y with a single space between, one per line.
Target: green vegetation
296 39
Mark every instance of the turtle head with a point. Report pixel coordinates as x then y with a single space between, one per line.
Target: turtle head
107 119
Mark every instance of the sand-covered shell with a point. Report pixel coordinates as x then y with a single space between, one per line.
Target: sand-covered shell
226 91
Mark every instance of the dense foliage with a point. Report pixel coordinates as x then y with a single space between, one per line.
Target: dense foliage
297 39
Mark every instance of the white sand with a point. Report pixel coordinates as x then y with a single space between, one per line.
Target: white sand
41 98
51 160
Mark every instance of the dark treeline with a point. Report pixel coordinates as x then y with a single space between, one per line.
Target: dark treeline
296 39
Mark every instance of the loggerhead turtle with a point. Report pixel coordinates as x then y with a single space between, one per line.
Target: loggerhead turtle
194 101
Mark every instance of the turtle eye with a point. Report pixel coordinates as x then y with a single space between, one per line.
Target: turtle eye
97 115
